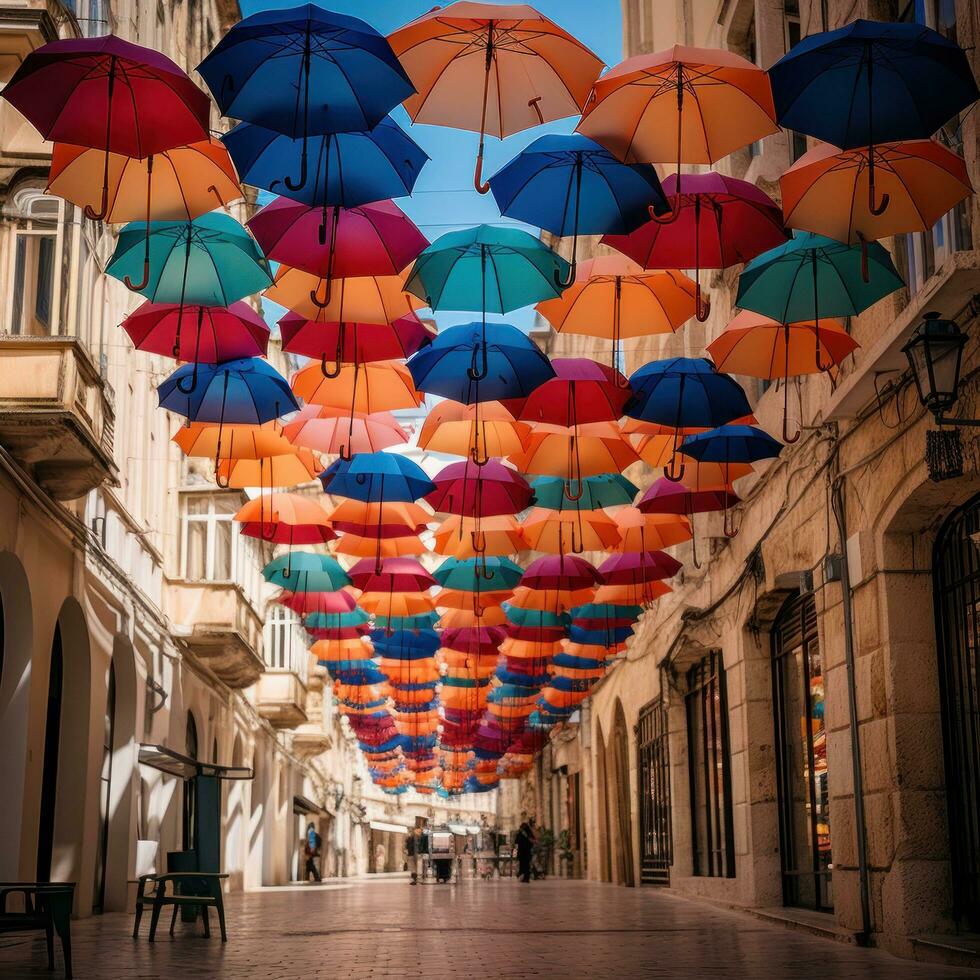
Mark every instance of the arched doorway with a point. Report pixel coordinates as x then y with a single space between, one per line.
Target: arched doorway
956 565
52 751
105 793
621 824
604 842
190 802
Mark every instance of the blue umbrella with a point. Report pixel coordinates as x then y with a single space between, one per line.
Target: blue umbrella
512 364
405 644
603 637
305 71
872 82
570 185
685 392
376 478
731 444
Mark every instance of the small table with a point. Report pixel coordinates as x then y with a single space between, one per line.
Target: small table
201 889
47 906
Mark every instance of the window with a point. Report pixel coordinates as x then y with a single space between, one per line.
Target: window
284 641
710 770
207 552
654 769
36 248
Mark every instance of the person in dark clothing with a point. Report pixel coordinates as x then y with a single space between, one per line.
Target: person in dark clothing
526 837
312 851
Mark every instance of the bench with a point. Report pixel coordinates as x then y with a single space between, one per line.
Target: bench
200 889
47 907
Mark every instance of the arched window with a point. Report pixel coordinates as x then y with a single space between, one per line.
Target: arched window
36 259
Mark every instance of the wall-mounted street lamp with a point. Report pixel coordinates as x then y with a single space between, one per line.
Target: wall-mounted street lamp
935 355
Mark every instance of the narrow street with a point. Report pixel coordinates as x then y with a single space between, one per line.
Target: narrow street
385 928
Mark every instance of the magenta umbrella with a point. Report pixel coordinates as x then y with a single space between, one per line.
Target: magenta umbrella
205 334
567 572
639 566
110 95
353 343
395 575
476 640
668 497
468 490
716 222
371 240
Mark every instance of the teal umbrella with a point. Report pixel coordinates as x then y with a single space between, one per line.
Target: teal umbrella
486 574
486 270
305 571
210 261
536 618
318 620
604 490
812 276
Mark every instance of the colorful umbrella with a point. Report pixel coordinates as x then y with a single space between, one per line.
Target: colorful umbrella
111 95
268 472
469 490
455 536
364 299
386 516
582 391
899 81
739 222
600 491
481 430
285 518
329 430
596 448
376 477
527 68
469 574
650 532
235 441
304 571
394 575
560 572
570 185
569 532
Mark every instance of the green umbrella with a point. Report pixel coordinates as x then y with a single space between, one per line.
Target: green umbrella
604 490
478 575
305 571
210 261
812 276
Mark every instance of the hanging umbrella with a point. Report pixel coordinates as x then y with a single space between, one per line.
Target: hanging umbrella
650 532
828 190
716 222
370 240
600 491
268 472
468 575
581 392
365 299
395 517
328 430
500 535
899 81
689 105
375 477
305 71
760 347
569 532
396 575
560 572
570 185
198 333
636 567
353 343
304 571
111 95
285 518
468 490
492 69
685 391
328 601
596 448
481 430
475 362
378 546
234 441
615 299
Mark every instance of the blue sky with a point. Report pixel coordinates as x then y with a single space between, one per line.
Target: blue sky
444 197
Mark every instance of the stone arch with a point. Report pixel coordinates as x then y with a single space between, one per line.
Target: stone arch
257 816
603 821
235 820
17 639
618 795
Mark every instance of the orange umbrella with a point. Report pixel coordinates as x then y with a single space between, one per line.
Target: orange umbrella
598 447
456 599
465 618
355 649
615 298
492 68
266 472
562 532
364 299
286 518
530 649
689 105
699 475
650 532
235 441
381 513
177 185
378 547
455 536
389 604
380 386
828 190
481 430
634 594
327 429
550 600
761 347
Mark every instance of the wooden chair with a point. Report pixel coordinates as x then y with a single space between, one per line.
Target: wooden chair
47 907
181 889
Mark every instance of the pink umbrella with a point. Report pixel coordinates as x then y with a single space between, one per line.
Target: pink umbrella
716 222
468 490
396 575
371 240
638 566
317 602
567 572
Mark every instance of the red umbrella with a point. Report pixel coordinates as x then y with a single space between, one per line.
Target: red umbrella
396 575
477 640
203 334
353 343
635 567
667 497
372 240
317 602
111 95
566 572
581 392
716 222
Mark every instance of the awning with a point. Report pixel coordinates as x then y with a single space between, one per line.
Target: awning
474 829
173 763
457 828
306 807
391 828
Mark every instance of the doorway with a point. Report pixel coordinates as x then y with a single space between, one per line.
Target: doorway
49 771
105 793
653 755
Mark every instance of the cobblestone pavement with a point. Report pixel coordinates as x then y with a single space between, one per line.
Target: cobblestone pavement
477 929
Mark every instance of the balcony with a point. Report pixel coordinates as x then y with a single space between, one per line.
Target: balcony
281 699
223 630
56 416
313 737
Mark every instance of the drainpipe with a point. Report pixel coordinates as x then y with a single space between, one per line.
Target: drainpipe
860 829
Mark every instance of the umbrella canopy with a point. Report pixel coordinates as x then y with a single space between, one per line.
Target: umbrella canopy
353 343
582 391
717 221
285 518
594 449
267 472
468 490
344 169
375 477
828 190
380 386
491 574
396 575
371 240
235 441
364 299
570 185
268 65
492 68
304 571
378 546
481 430
600 491
455 536
560 572
569 532
731 444
650 532
211 260
329 602
392 516
198 333
329 430
475 362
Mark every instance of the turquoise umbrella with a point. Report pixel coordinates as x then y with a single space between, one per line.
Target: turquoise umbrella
486 270
210 261
471 574
604 490
356 617
305 571
812 276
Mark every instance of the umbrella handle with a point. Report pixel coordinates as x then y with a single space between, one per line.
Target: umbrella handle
478 182
577 548
334 372
702 305
135 287
345 454
478 539
876 210
789 440
729 528
479 459
303 173
563 282
471 372
670 473
223 483
664 219
485 574
214 190
567 490
193 385
316 300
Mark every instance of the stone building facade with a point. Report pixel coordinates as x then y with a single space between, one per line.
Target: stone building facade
794 729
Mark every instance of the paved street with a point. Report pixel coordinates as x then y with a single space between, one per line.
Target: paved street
374 929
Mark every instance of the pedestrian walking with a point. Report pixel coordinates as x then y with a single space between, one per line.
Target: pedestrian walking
311 849
414 849
526 838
